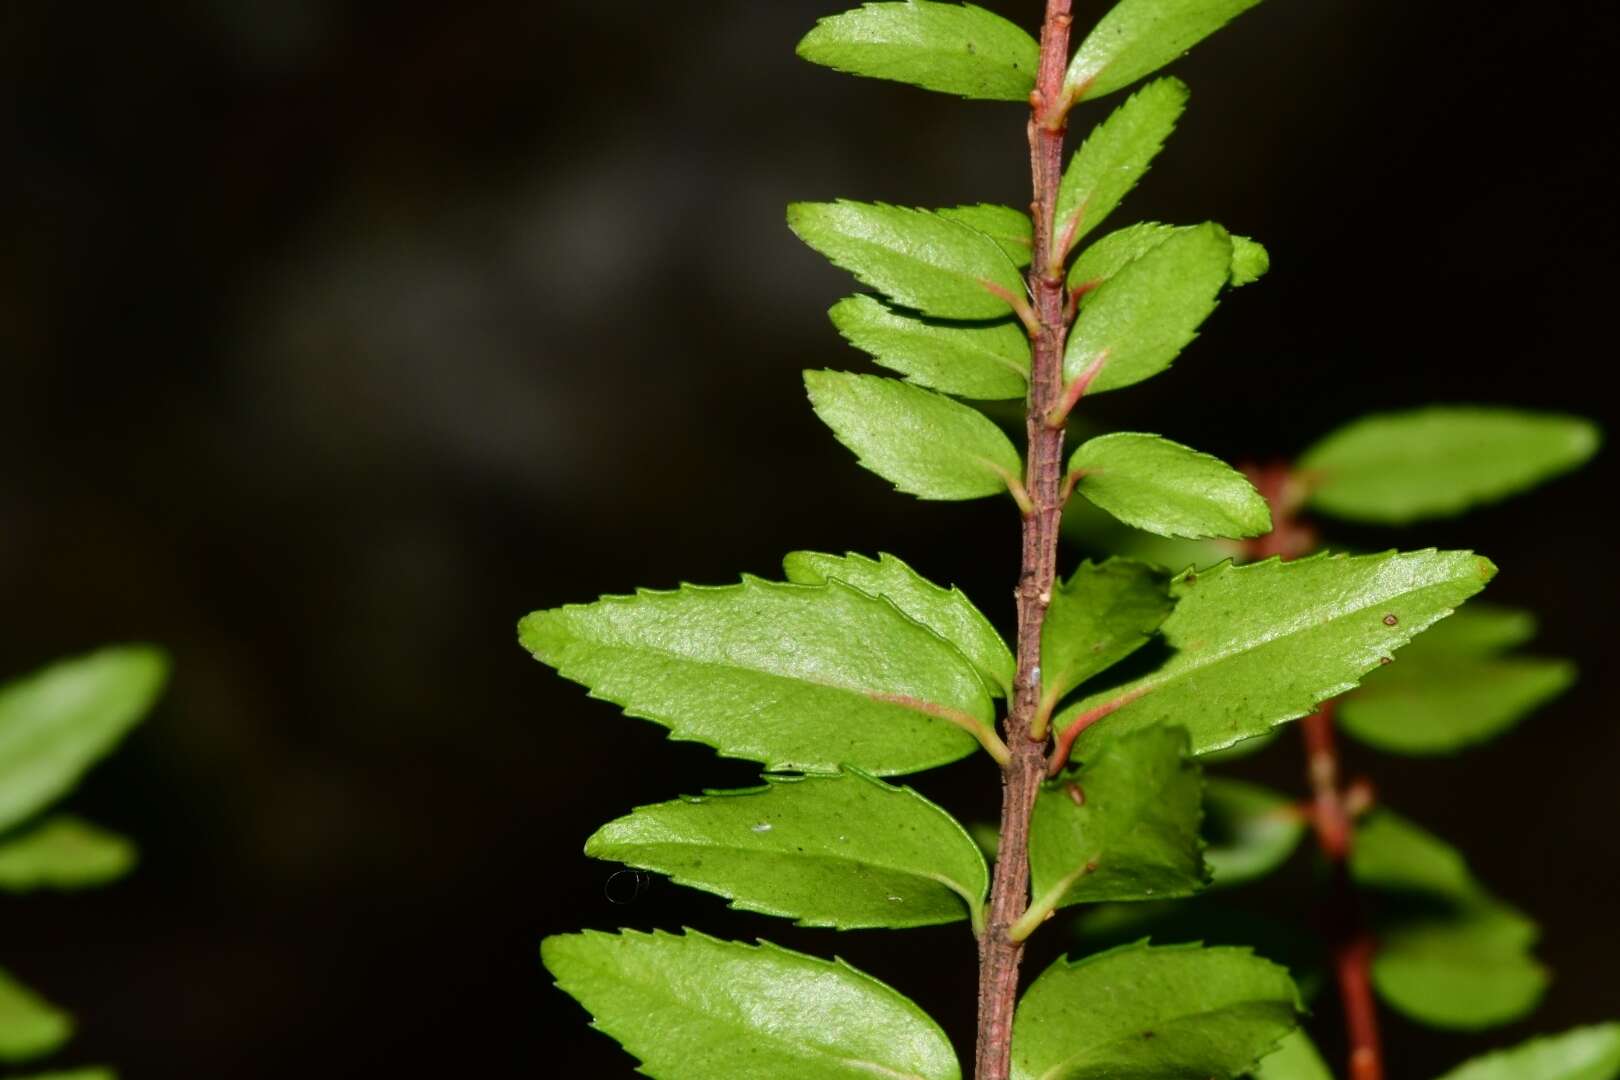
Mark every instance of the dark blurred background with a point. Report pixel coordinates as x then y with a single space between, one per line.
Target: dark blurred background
338 335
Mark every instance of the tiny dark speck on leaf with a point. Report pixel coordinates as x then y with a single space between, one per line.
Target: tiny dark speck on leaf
1390 620
1147 1034
1384 660
971 50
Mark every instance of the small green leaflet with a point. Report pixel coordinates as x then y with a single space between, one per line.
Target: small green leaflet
58 722
1162 487
1254 646
1251 829
695 1008
1144 1011
1451 688
1115 156
63 852
793 676
1296 1058
29 1026
1102 614
1442 706
915 258
1449 954
1138 37
923 443
1586 1053
845 851
952 48
1125 827
1394 468
73 1074
1009 228
946 612
988 361
1137 321
1111 253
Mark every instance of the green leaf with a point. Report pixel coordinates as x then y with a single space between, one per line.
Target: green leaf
1102 614
1124 828
1463 973
1095 530
73 1074
1138 37
1115 156
1111 253
946 612
1255 646
1449 954
56 723
1175 1012
1162 487
1394 468
1250 261
987 361
1137 321
30 1027
845 851
63 852
1586 1053
1444 705
921 442
695 1008
1296 1058
793 676
953 48
1251 829
916 258
1009 228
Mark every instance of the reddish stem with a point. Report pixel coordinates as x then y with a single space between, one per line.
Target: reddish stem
999 954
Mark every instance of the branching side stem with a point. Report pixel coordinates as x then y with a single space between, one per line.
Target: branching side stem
999 953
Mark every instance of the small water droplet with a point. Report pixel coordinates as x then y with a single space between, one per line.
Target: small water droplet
843 839
896 899
763 826
1390 620
1149 892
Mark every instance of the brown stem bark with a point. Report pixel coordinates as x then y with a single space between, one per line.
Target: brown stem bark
999 955
1346 930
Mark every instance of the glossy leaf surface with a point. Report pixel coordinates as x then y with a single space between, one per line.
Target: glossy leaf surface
1137 37
1009 228
988 360
58 722
1100 615
1395 468
30 1027
1124 827
1254 646
1586 1053
63 852
923 443
1115 156
1175 1012
1111 253
915 258
952 48
1251 829
793 676
846 851
1139 319
947 612
1162 487
694 1008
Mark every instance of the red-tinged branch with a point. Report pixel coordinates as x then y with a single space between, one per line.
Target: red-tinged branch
1065 741
999 953
1332 818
